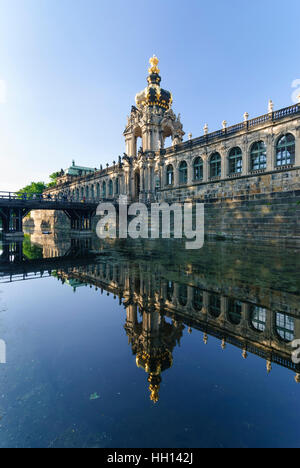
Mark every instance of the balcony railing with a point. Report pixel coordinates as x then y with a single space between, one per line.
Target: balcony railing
229 131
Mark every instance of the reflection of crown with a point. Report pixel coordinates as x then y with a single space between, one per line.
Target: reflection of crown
154 381
154 365
153 62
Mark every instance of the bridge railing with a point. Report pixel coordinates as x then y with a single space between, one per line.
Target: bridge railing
44 197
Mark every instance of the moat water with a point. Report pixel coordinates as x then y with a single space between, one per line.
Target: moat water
145 344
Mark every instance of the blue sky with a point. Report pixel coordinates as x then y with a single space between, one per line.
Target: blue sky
70 69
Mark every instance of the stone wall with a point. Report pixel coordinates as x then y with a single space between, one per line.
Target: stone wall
264 207
49 220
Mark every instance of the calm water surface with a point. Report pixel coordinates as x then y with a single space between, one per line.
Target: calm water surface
147 345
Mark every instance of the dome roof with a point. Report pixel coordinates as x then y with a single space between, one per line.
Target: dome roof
154 95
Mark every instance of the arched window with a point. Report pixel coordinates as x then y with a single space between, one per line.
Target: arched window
98 191
92 192
285 150
234 311
197 298
86 192
214 306
110 188
183 175
77 194
182 299
198 169
104 189
170 175
117 186
215 166
82 192
258 317
258 156
285 327
235 161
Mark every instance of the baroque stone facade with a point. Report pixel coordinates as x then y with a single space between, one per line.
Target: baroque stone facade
257 161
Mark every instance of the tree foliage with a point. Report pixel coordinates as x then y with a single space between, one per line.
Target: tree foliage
34 187
39 187
53 177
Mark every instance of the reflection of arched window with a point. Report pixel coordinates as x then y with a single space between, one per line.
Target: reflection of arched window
234 311
104 189
214 305
235 161
258 156
197 298
198 169
183 174
258 317
285 150
170 175
110 188
285 327
170 290
92 191
215 166
182 299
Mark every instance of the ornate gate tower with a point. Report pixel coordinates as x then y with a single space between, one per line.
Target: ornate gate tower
153 120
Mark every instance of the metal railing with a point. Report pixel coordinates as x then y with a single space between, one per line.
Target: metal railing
44 197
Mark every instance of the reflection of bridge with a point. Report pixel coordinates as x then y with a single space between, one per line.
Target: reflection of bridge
14 266
14 207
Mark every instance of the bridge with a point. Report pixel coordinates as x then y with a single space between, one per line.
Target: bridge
15 206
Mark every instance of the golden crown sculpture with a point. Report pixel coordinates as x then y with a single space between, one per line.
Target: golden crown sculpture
153 62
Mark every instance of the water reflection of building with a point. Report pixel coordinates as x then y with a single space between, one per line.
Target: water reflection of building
152 340
165 291
157 310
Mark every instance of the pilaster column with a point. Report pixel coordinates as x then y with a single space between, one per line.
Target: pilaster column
245 149
224 163
297 155
190 172
270 144
142 178
205 159
176 175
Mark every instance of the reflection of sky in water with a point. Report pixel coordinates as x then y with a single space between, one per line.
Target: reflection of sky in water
72 380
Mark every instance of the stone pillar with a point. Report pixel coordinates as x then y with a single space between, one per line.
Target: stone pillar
245 149
297 155
130 143
271 153
224 163
176 175
190 175
205 168
142 181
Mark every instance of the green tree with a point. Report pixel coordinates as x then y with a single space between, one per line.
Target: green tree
34 187
31 251
53 177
